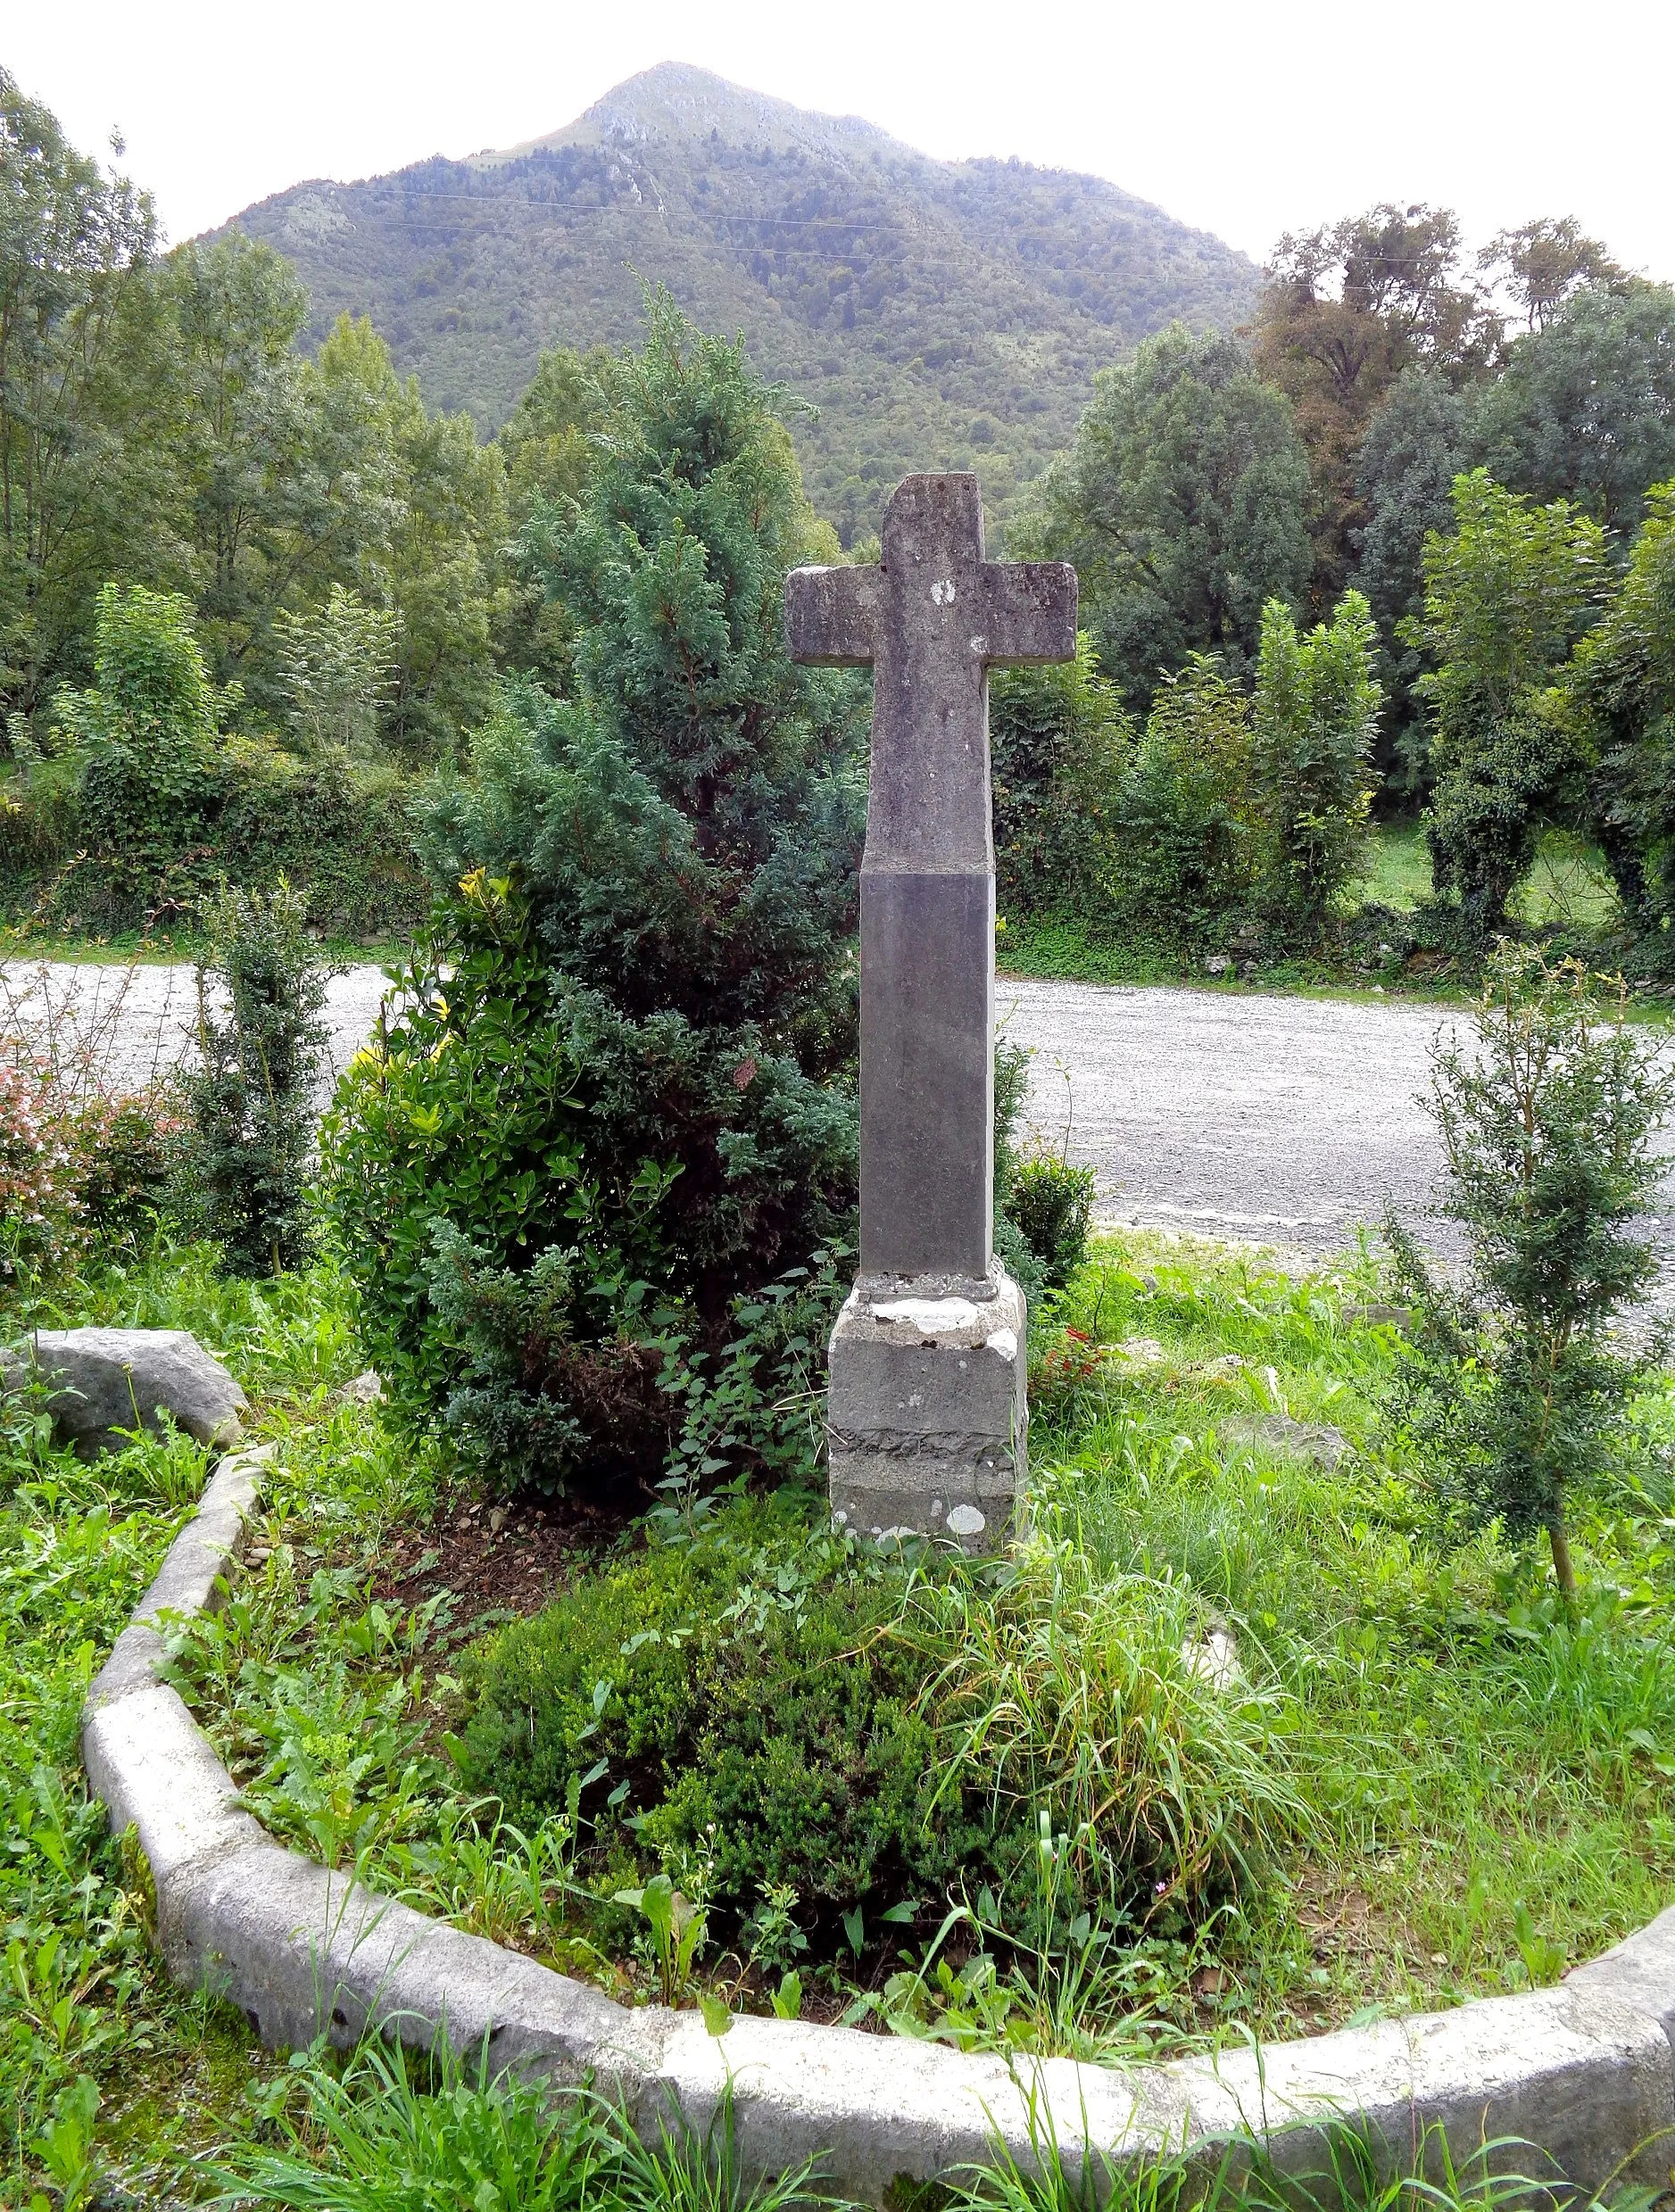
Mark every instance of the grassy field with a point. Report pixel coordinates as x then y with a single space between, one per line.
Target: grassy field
1480 1785
1570 887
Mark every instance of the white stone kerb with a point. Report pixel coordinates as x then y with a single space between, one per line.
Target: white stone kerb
1583 2072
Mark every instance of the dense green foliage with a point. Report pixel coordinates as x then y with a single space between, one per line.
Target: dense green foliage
649 890
211 458
1188 827
783 1708
1584 410
764 1720
1620 700
1058 743
1405 471
1231 808
937 315
1184 504
143 805
1346 311
1315 709
1546 1124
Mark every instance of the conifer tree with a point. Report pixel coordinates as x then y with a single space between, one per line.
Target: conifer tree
675 850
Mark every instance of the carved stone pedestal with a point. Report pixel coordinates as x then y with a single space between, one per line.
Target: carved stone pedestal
927 1420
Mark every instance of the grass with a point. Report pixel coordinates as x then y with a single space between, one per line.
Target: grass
107 2073
1422 1783
1490 1781
1569 886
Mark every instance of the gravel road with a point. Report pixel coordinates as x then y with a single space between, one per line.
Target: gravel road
1284 1120
1280 1121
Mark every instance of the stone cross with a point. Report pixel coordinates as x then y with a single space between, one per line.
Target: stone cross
932 619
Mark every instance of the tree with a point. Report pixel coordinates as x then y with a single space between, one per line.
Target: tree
429 547
251 1101
83 489
1545 262
1343 310
1620 690
1405 470
1317 709
549 445
256 513
547 439
335 663
676 852
1585 409
1506 599
1547 1122
1184 505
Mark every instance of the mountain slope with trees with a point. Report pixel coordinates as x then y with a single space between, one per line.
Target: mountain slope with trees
936 314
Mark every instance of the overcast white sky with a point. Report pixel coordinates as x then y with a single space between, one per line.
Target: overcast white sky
1244 117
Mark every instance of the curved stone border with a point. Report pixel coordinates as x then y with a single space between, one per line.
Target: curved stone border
1585 2070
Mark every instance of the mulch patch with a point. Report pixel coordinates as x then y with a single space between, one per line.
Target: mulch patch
510 1556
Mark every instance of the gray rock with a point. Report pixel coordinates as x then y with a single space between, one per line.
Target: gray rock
927 1420
366 1389
103 1380
1311 1441
1378 1316
1218 963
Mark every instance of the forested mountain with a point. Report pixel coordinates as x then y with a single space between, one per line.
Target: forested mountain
936 314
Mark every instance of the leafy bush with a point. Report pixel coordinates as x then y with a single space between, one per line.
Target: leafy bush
1317 708
1516 1384
83 1165
1052 1204
1059 740
341 830
740 1701
1620 688
251 1102
152 778
1507 597
764 1710
127 1151
41 1225
1187 808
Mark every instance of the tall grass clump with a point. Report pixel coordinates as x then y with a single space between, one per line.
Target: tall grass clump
1101 1699
395 2133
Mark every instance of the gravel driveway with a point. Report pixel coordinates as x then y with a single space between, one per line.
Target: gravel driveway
1282 1121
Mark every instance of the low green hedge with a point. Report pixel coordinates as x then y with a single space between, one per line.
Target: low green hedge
86 845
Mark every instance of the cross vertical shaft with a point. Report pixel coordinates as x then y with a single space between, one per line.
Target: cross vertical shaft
932 619
912 1442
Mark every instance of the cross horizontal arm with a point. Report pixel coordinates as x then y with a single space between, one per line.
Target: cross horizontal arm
1029 610
831 615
